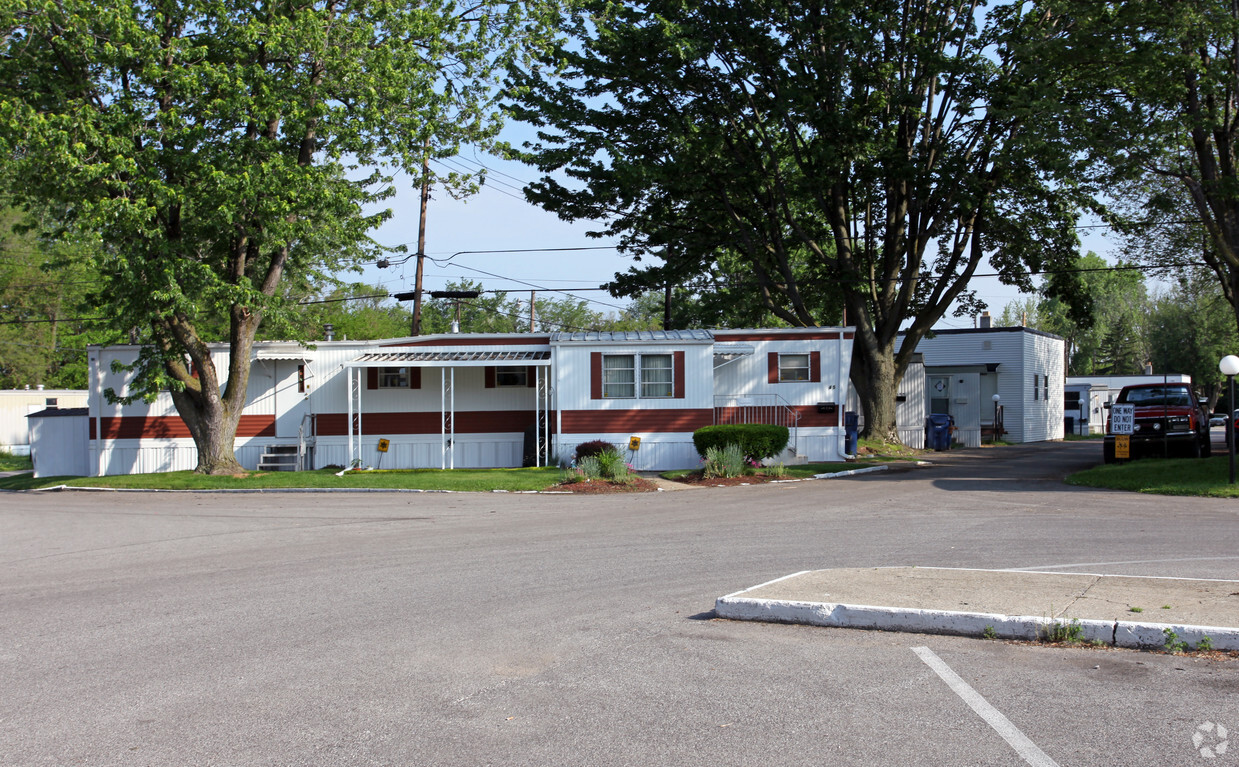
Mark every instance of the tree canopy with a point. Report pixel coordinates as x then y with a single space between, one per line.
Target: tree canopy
216 147
813 156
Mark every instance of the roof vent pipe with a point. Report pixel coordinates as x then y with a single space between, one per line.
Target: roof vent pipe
986 321
455 326
329 332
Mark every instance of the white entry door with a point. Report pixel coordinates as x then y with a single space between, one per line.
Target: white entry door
291 399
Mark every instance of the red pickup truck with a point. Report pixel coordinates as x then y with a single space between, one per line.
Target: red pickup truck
1169 421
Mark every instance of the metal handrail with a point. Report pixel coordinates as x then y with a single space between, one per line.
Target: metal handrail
758 408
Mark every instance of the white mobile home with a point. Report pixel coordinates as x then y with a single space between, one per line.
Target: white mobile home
494 400
16 404
1024 368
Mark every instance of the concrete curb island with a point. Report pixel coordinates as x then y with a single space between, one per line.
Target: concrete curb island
1005 604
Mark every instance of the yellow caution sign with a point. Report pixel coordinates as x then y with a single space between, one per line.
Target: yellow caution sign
383 445
1122 446
634 443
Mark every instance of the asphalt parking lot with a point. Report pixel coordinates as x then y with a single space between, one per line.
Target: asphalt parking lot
396 629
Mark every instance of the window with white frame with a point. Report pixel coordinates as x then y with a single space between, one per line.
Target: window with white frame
619 376
511 376
393 378
657 377
631 376
793 367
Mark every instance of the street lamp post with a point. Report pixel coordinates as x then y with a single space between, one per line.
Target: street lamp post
1230 368
997 427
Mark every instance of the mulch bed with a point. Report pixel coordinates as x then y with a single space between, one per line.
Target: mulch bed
697 479
599 486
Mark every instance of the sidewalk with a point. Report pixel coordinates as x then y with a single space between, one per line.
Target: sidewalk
1124 611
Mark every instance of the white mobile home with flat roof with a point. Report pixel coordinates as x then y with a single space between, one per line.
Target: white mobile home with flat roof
494 400
965 369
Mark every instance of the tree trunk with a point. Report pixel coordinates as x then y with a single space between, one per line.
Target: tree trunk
213 426
875 377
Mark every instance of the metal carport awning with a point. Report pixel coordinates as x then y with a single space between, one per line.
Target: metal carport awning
447 362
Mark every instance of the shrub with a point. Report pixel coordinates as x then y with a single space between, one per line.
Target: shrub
590 467
727 461
611 466
594 447
754 439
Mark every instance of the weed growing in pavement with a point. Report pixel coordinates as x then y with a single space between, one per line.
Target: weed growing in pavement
1135 609
1205 644
1067 633
989 633
1174 645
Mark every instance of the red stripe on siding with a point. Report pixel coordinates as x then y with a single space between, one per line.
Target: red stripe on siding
810 417
173 427
595 375
603 421
466 422
677 374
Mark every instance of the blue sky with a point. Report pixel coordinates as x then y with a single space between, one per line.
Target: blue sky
497 218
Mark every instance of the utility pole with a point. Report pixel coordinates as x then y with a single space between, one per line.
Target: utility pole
533 294
421 244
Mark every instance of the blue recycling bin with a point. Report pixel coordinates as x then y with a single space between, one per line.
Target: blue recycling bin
938 431
851 425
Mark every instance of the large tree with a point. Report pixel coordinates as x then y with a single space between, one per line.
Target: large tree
218 146
1158 86
874 151
45 320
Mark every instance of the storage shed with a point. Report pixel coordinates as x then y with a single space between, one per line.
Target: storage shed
59 442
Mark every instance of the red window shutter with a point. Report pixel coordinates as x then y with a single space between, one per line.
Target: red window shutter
772 372
372 378
415 378
677 374
595 375
815 367
490 377
531 376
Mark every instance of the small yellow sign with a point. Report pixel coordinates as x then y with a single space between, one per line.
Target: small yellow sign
383 445
1122 446
634 443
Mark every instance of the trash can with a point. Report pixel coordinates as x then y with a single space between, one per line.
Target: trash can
851 425
1069 424
938 431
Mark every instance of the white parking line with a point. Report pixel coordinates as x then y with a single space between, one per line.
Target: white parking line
1027 750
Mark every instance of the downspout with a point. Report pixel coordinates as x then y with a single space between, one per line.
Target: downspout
96 386
844 389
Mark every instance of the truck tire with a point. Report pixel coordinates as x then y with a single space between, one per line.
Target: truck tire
1206 450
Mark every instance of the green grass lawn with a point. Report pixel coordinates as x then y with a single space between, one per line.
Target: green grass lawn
465 480
1164 476
10 462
